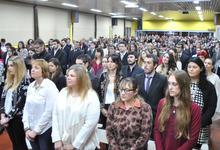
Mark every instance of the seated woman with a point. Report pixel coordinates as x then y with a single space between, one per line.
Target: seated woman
56 74
129 120
178 119
37 118
76 113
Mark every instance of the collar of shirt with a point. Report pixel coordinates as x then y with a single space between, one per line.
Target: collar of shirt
136 104
146 76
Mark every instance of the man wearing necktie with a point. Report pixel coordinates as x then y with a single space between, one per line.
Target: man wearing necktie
152 85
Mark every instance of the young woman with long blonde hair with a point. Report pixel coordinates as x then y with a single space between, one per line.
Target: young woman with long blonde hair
13 100
178 119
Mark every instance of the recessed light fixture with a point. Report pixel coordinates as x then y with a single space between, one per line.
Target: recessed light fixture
196 2
135 18
143 9
198 8
161 16
43 0
70 5
128 3
95 10
113 14
153 13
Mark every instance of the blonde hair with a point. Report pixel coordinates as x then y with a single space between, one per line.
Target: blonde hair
44 67
83 80
183 115
13 80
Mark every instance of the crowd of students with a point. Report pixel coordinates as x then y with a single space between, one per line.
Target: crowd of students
148 88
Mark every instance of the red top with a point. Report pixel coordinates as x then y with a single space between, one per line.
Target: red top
167 140
160 61
96 67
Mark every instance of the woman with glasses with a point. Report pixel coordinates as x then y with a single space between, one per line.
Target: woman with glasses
129 119
109 85
178 119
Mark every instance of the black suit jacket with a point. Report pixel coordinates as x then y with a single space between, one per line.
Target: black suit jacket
61 56
136 71
67 49
73 55
124 60
91 54
156 91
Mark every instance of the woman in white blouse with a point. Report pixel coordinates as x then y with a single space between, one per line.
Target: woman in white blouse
214 79
37 117
76 113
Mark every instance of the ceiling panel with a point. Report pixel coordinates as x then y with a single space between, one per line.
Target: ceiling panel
169 8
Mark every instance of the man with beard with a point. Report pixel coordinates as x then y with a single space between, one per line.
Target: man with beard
132 69
152 85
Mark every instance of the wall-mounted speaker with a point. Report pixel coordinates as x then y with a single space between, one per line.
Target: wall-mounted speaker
114 21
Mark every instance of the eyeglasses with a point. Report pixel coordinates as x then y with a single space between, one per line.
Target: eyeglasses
126 90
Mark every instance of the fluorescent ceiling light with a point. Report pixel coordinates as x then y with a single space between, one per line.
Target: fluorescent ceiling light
161 16
198 8
153 13
112 14
43 0
127 2
70 5
119 16
143 9
196 2
135 18
131 6
95 10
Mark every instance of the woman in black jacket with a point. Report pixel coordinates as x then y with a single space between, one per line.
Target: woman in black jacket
56 74
203 93
13 100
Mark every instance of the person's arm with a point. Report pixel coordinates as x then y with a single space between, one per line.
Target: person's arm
46 117
55 127
157 134
194 130
113 145
211 105
146 127
91 121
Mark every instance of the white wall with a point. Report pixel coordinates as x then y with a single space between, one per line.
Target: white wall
17 22
53 23
104 26
85 28
128 24
119 28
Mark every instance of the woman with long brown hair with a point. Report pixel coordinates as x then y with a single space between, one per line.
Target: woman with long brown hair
178 119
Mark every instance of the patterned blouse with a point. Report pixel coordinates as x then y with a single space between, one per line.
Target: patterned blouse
130 128
18 99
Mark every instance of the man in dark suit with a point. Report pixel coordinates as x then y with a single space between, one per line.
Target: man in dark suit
91 50
74 54
132 69
85 60
65 47
57 52
152 85
123 53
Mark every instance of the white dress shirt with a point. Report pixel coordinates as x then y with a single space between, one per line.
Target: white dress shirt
75 120
39 106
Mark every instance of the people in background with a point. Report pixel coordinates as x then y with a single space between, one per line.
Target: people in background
141 58
156 52
97 61
176 58
129 120
108 86
167 66
178 119
215 80
56 74
202 55
202 93
37 118
76 113
13 100
41 53
123 53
